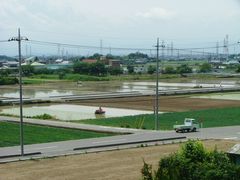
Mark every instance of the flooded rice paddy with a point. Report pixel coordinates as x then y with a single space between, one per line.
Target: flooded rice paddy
221 96
71 88
67 112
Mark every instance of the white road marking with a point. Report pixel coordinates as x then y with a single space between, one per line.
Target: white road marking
98 142
230 138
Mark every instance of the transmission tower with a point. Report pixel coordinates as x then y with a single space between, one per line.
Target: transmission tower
101 46
217 50
225 45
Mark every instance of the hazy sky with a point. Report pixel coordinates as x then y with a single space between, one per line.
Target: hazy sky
127 23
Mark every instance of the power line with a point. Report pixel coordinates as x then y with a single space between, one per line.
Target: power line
126 48
4 41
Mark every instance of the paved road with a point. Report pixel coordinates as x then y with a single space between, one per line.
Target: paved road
67 147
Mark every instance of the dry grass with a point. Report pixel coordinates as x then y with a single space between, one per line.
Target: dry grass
119 164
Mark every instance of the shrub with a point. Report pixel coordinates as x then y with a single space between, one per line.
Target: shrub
184 68
205 67
192 162
169 70
44 116
8 80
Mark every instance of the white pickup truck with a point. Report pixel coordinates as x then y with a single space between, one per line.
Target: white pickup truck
189 125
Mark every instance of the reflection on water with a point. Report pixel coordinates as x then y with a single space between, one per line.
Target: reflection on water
33 93
64 89
224 96
72 112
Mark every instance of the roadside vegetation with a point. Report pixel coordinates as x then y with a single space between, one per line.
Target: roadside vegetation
33 134
210 118
5 79
41 116
192 162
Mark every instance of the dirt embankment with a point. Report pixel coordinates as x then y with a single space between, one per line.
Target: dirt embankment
166 103
119 164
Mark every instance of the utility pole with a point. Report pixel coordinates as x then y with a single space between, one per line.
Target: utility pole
162 61
157 79
110 50
19 39
30 51
58 50
101 47
178 54
172 50
217 51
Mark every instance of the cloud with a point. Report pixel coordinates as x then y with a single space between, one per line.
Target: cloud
158 13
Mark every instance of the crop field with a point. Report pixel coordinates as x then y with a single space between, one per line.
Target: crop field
9 133
210 118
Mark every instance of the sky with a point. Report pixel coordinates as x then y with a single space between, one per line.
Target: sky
119 23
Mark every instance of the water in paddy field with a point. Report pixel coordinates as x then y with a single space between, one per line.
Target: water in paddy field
222 96
33 93
68 112
66 89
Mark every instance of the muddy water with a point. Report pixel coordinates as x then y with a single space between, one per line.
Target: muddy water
71 112
33 93
222 96
71 88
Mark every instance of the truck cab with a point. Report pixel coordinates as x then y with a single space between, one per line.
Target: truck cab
189 125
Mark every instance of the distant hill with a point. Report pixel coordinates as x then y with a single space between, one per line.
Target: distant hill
4 58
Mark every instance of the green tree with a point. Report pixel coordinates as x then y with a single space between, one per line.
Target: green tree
27 70
109 56
115 70
238 69
130 69
81 68
205 67
97 69
169 70
151 69
8 80
137 55
4 72
96 56
184 68
194 162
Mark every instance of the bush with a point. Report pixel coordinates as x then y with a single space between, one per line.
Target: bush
8 80
205 67
61 75
27 70
115 71
43 71
184 68
44 116
194 162
169 70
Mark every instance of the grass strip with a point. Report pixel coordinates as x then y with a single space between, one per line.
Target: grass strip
33 134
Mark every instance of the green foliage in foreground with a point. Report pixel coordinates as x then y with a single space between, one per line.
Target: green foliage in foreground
8 80
210 118
193 162
9 133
